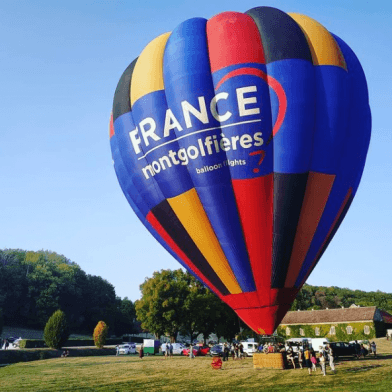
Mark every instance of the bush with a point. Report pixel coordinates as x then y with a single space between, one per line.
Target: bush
100 334
56 331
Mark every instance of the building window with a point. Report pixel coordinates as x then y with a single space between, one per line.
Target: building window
288 331
366 330
332 331
349 330
301 332
317 331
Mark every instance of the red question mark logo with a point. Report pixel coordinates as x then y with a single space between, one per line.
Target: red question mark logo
262 155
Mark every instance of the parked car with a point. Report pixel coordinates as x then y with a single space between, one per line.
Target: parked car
249 348
127 348
186 351
342 349
197 351
204 350
217 350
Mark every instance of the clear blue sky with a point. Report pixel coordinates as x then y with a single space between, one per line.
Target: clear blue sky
59 65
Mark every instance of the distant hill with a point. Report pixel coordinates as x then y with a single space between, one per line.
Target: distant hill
320 297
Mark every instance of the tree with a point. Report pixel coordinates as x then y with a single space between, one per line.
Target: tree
161 309
174 301
211 314
193 309
228 323
100 334
35 284
56 331
125 317
13 287
100 301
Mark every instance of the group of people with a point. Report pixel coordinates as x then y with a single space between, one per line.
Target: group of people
65 354
235 350
271 348
169 351
361 351
307 358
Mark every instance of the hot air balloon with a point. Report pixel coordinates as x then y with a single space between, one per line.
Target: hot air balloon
240 142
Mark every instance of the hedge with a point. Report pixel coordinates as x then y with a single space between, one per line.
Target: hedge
14 356
38 343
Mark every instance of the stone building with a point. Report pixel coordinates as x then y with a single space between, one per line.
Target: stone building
337 324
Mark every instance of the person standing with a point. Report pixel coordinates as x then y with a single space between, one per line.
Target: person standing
308 363
241 349
322 354
141 351
290 356
300 357
363 351
374 348
236 351
313 359
171 350
225 352
357 349
331 358
191 355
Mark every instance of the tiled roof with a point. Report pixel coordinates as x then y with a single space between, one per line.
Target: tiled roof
341 315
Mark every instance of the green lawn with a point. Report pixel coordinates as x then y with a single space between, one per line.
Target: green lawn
129 373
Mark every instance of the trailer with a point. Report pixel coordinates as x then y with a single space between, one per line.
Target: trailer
151 346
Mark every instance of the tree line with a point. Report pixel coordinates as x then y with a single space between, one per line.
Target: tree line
33 285
319 297
174 301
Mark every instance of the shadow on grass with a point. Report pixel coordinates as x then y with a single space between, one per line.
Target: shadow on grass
381 357
361 368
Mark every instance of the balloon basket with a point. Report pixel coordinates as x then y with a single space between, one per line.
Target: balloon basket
270 360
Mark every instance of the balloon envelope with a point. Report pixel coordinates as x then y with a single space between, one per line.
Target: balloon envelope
240 142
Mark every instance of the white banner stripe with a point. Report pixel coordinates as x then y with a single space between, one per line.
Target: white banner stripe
200 131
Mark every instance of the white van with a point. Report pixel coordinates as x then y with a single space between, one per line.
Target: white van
177 348
296 343
249 348
314 343
317 342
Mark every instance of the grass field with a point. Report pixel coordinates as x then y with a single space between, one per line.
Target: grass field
113 373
